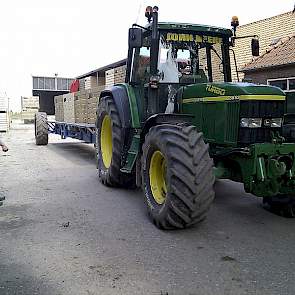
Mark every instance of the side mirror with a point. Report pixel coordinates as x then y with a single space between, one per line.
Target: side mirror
135 38
255 47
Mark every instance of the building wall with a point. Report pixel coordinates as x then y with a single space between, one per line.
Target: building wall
267 30
261 76
46 100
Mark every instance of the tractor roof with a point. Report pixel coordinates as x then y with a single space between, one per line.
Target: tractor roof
195 28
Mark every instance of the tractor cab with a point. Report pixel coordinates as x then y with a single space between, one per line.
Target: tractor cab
186 54
163 57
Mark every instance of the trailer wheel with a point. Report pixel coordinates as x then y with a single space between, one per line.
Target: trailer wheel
282 205
110 144
177 176
41 128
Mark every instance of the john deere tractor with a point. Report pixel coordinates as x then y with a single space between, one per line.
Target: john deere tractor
179 122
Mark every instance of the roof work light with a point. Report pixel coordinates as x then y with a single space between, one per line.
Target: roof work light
155 9
235 23
149 12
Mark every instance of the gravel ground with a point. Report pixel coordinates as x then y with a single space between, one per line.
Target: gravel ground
62 232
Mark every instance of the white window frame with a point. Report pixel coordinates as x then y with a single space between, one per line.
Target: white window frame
66 82
280 79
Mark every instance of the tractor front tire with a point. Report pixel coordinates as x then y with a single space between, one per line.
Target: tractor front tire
110 144
41 128
177 176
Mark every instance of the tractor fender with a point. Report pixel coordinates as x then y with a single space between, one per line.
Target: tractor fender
162 118
121 100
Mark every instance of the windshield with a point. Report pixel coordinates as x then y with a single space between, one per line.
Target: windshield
189 58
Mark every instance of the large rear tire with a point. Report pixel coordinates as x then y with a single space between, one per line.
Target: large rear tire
177 176
110 145
41 128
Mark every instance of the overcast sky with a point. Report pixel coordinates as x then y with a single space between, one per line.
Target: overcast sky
72 37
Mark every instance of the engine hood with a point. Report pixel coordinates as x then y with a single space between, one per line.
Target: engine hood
230 91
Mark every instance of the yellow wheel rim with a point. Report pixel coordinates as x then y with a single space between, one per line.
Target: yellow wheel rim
106 141
157 174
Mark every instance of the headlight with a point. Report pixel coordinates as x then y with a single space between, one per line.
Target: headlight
251 122
244 122
274 122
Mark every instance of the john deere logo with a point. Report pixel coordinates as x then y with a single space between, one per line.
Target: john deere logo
193 38
215 90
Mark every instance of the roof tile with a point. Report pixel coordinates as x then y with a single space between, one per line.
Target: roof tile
282 53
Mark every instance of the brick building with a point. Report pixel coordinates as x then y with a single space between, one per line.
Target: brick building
269 31
276 66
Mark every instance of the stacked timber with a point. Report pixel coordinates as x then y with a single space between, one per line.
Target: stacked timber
92 104
4 114
110 80
69 108
3 102
115 76
82 84
91 109
4 121
101 82
119 75
80 106
30 106
91 82
30 103
59 108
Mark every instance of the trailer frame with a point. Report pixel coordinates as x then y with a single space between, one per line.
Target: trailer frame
81 131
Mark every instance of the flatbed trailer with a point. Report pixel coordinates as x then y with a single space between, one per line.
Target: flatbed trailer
81 131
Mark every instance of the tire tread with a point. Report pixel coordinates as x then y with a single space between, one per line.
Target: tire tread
190 172
41 128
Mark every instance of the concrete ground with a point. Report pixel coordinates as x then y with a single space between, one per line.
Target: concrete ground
62 232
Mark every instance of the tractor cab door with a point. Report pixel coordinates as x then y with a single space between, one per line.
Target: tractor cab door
138 72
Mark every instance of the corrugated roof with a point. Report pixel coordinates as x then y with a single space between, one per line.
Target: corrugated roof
282 53
104 68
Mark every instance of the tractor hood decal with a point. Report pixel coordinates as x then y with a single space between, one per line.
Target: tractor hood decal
230 91
193 38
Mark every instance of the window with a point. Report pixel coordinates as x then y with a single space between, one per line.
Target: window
292 84
41 83
279 83
35 83
64 83
286 84
141 62
184 58
48 83
190 58
61 84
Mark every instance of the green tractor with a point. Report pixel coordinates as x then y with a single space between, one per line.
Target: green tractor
178 123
